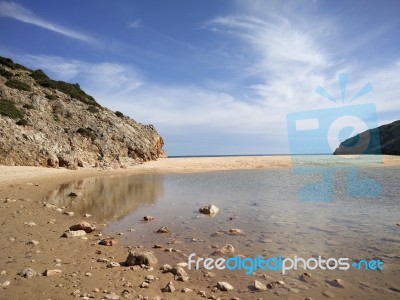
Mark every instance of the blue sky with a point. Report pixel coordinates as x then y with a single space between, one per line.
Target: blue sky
214 77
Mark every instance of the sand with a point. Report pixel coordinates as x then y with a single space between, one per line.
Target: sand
22 190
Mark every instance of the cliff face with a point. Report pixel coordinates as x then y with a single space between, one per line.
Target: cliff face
52 123
389 136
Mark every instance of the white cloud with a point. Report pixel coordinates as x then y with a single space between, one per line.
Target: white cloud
18 12
135 24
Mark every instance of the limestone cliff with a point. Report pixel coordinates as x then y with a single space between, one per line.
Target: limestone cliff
387 141
44 122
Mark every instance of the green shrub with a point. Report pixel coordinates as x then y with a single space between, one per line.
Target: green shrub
5 73
9 63
8 109
51 97
93 109
22 122
119 114
17 84
87 132
28 106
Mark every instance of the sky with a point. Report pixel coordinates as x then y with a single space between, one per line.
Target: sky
215 77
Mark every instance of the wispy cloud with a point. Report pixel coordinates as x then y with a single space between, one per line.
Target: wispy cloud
23 14
135 24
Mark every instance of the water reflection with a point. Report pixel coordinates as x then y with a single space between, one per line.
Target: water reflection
107 197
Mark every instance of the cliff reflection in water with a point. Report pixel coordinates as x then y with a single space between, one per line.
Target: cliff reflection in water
107 197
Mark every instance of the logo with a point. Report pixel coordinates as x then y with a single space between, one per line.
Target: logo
322 131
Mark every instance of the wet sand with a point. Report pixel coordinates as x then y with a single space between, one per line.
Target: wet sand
22 190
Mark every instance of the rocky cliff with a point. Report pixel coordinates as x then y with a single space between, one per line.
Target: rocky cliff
388 135
44 122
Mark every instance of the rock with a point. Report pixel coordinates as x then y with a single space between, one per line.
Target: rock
157 246
169 288
148 218
146 258
144 284
32 242
224 286
88 274
306 277
113 264
235 231
85 226
27 273
5 284
111 296
186 290
30 224
76 233
227 249
179 271
69 213
337 283
87 215
164 229
202 294
150 278
3 273
166 268
328 294
52 272
72 194
108 241
258 286
210 209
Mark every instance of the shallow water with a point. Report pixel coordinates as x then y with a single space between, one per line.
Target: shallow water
265 205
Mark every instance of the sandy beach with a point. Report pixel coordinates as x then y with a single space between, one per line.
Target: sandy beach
30 238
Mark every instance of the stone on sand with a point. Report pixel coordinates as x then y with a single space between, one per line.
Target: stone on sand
85 226
209 209
169 288
146 258
71 234
224 286
27 273
108 241
258 286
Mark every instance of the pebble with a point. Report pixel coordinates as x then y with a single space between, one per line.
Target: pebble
113 264
69 213
209 209
144 285
76 233
258 286
111 296
224 286
186 290
328 294
146 258
27 273
3 273
169 288
202 294
235 231
227 249
148 218
72 194
166 268
30 223
164 229
150 278
87 215
85 226
337 283
32 242
157 246
5 284
52 272
108 241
